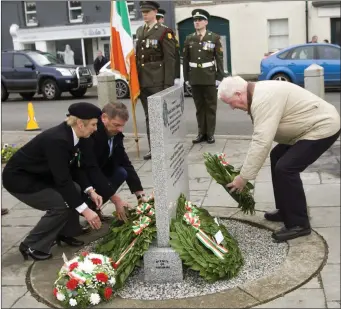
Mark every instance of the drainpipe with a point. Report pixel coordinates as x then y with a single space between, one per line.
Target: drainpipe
306 22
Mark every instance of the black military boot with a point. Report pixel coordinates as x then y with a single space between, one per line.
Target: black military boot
274 216
210 140
200 138
285 233
148 156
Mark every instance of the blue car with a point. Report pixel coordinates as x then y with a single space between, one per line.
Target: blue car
289 64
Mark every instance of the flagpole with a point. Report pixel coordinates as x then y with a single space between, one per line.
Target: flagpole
133 109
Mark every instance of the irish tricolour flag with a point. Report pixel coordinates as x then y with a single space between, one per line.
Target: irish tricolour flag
122 55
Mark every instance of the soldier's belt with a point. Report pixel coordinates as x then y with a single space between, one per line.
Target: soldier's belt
201 65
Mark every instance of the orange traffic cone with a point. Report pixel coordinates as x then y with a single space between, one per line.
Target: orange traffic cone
32 124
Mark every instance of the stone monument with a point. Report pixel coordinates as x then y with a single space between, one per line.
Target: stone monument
170 177
106 88
314 79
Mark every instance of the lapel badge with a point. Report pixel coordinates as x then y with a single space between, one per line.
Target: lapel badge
169 35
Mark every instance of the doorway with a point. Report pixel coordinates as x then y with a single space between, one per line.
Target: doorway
217 25
335 28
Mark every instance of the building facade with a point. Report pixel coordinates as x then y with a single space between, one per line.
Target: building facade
51 25
249 29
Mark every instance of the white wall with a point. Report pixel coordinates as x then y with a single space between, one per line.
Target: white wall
319 21
249 28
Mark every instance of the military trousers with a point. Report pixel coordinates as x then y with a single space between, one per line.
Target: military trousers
144 94
287 162
205 99
58 219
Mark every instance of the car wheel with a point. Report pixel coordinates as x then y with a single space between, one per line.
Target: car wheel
50 90
122 89
281 77
79 93
188 90
4 93
27 95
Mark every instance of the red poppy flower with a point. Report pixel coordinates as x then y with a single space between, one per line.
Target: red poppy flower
73 266
102 277
55 291
85 254
72 284
96 261
107 293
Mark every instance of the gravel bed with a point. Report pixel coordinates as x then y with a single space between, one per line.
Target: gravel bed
261 255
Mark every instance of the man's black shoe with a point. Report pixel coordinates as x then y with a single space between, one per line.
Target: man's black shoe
148 156
210 140
200 138
285 234
274 216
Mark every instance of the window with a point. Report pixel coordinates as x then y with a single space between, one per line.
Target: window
30 14
278 30
303 53
284 55
201 1
131 9
6 60
75 11
20 61
328 53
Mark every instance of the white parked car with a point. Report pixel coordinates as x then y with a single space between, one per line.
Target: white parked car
122 87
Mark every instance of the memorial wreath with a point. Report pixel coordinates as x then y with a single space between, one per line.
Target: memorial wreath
224 173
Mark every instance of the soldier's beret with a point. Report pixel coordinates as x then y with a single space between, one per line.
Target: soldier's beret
149 5
200 13
84 110
161 13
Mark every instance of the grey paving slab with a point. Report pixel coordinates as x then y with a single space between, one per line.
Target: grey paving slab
263 206
19 213
330 275
333 304
14 268
312 284
325 216
10 294
329 178
28 301
8 200
332 237
197 171
217 196
11 235
223 212
196 199
22 206
263 193
323 194
199 184
301 298
20 221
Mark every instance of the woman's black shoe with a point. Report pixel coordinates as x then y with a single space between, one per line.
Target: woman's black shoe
34 254
274 216
73 242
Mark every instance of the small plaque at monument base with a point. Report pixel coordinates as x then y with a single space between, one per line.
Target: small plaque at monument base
162 265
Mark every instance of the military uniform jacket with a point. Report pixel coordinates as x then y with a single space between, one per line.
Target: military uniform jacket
98 165
156 56
198 57
45 162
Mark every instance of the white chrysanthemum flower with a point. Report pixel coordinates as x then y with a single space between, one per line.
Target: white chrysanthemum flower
112 281
60 296
87 266
73 302
95 256
95 299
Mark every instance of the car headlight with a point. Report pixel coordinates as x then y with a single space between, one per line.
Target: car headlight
64 72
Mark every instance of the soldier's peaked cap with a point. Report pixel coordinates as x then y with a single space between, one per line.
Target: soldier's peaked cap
200 13
84 110
149 5
161 12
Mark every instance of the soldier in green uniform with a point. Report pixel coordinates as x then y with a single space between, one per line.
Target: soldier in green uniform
203 70
155 57
160 16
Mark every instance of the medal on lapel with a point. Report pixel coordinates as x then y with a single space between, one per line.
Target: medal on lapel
147 43
204 45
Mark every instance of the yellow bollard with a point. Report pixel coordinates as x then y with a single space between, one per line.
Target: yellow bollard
32 124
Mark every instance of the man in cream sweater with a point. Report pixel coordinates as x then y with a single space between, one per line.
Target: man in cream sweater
303 125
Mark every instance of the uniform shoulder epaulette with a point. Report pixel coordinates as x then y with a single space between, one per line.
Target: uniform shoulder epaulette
163 25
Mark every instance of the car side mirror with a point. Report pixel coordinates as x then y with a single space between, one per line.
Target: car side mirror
29 66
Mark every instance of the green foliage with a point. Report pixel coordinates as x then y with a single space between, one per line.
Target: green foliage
7 152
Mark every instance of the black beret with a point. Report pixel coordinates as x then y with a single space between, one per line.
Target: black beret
161 12
84 110
149 5
200 13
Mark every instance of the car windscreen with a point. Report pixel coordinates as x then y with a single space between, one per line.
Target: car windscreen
42 59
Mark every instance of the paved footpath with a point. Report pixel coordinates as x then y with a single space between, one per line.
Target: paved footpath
322 186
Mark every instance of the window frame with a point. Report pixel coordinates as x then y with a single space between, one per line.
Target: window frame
132 4
28 24
302 46
318 56
22 55
70 9
271 35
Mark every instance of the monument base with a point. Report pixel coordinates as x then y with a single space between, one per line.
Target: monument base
162 265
